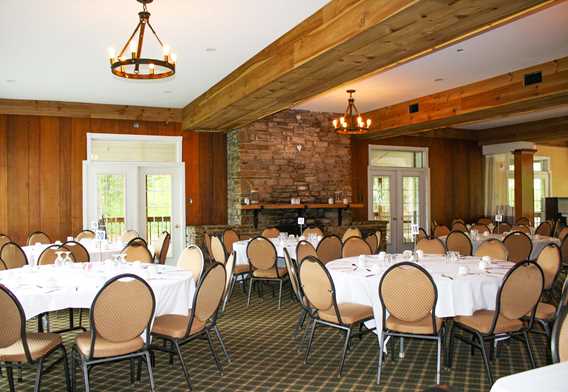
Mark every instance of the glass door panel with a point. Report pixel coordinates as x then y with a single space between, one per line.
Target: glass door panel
411 210
382 197
111 207
158 215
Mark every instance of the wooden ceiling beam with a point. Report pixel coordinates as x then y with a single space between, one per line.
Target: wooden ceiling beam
495 97
343 41
549 130
88 110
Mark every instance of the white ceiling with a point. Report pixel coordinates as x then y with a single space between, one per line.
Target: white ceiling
519 118
57 49
535 39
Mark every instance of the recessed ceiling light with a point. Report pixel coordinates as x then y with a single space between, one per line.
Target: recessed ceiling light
210 49
167 91
438 79
10 80
460 50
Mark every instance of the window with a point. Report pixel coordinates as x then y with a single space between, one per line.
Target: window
396 158
133 148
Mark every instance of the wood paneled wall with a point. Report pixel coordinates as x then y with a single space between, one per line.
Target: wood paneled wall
41 171
456 176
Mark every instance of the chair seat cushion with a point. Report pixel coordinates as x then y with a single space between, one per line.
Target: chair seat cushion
482 320
545 311
270 273
175 325
39 344
242 269
105 348
350 313
420 327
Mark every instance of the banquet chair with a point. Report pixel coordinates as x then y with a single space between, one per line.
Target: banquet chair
433 246
121 312
518 296
192 259
219 253
329 248
545 228
312 230
492 248
49 254
480 228
561 234
373 241
355 246
4 239
422 235
13 255
3 266
230 236
484 221
519 246
319 289
262 257
137 241
304 249
459 226
523 221
163 247
351 232
19 348
38 237
270 232
200 322
441 231
79 252
230 280
137 251
85 235
207 241
521 228
559 345
457 220
409 295
502 227
458 241
306 311
129 235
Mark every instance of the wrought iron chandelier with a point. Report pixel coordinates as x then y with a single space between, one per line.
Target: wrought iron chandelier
351 123
135 66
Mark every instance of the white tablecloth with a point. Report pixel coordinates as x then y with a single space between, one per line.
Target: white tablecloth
241 248
459 296
97 251
538 242
552 378
49 288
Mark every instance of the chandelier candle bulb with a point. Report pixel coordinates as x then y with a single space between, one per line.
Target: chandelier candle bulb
351 123
152 68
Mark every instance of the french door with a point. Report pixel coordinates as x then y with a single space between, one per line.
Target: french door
398 196
129 196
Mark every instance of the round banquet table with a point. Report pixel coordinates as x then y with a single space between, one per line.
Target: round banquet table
458 295
49 288
551 378
280 244
98 250
539 242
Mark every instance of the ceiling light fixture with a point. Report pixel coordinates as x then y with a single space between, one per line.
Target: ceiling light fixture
351 123
136 66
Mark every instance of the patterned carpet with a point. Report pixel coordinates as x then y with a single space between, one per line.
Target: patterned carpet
265 357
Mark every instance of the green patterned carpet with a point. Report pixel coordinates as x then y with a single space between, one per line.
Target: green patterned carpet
265 357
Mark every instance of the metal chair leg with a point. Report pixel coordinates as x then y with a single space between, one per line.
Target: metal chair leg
312 333
450 353
280 294
150 374
485 358
381 351
528 347
185 371
439 359
10 373
401 348
66 369
250 289
222 343
342 362
86 377
39 370
213 353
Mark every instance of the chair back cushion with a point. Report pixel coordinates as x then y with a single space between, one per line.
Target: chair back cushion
49 255
219 253
270 232
459 226
163 247
549 260
312 231
519 246
4 239
492 248
210 293
351 232
373 241
261 253
316 284
293 274
433 246
230 236
458 241
441 231
11 320
481 228
123 308
13 256
408 292
521 290
128 236
545 228
79 252
137 252
38 237
304 249
501 228
191 259
355 246
329 248
85 235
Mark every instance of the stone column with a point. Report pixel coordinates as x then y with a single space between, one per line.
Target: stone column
524 183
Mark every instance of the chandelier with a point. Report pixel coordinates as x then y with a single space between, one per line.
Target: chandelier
131 64
351 123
